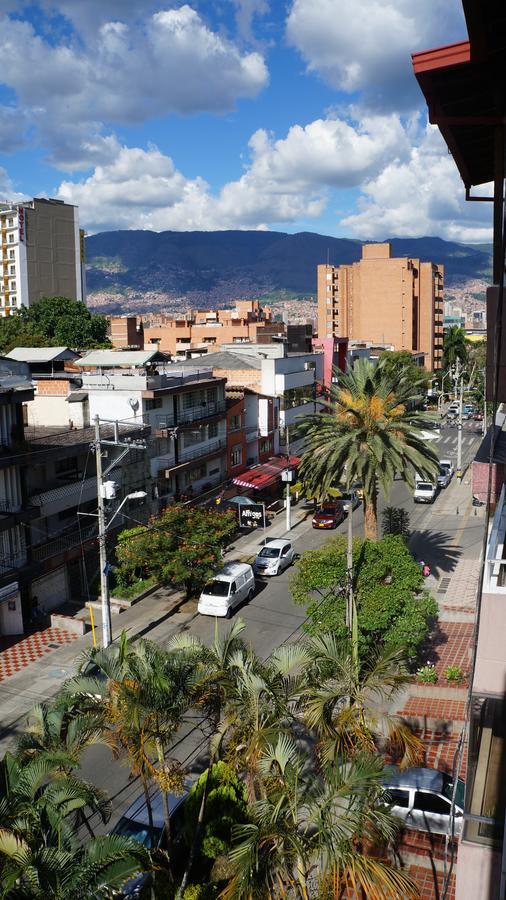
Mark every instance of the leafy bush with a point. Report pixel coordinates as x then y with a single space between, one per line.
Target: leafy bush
393 607
182 546
454 674
395 520
226 806
427 674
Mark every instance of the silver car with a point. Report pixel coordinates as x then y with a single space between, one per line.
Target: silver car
422 797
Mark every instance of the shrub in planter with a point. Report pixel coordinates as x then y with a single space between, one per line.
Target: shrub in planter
427 674
454 674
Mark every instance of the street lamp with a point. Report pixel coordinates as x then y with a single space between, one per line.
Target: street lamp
107 492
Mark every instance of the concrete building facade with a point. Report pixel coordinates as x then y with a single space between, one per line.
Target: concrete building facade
385 300
41 253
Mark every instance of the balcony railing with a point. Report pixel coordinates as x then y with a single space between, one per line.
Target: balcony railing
202 450
11 563
63 542
201 412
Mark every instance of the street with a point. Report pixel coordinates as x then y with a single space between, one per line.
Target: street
440 534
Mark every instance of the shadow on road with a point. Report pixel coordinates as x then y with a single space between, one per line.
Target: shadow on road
436 548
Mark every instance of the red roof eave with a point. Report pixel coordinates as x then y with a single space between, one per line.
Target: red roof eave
441 57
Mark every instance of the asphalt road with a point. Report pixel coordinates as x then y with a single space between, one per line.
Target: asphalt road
439 537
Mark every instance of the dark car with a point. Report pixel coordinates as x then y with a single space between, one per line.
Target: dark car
329 516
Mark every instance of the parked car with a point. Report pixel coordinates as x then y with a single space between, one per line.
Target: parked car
329 516
274 556
134 823
421 797
478 416
447 464
444 477
230 587
425 492
349 499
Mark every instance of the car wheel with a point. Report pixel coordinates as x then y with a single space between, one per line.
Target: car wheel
251 595
228 614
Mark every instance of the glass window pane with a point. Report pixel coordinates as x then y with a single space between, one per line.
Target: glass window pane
427 802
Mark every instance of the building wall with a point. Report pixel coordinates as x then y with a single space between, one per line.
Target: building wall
384 299
126 331
46 242
236 437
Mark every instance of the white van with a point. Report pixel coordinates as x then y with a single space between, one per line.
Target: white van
230 587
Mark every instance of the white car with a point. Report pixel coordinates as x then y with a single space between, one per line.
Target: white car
425 492
274 556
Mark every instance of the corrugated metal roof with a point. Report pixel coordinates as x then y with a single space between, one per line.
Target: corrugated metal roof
113 358
225 359
41 354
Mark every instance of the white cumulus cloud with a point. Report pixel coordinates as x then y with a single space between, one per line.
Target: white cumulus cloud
366 45
421 195
285 179
126 73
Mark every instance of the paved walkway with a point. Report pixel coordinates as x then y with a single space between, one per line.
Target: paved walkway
17 654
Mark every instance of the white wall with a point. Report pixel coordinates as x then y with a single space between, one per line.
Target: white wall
51 590
115 405
11 620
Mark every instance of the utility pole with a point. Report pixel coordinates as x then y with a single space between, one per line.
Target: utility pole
484 423
127 446
104 565
287 476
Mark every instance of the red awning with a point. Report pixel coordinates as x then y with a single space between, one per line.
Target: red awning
264 476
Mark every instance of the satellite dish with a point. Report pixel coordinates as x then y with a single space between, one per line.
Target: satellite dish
134 403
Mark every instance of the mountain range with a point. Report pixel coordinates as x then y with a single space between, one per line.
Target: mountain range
128 268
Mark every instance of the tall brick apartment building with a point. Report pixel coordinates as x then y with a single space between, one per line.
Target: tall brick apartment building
384 299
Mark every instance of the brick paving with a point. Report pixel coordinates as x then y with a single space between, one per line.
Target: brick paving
17 653
438 717
426 707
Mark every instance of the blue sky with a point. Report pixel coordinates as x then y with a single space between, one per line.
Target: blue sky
291 116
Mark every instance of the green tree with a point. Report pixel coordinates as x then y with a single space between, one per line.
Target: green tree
183 546
54 321
366 433
454 346
308 832
226 806
395 520
393 609
399 364
364 722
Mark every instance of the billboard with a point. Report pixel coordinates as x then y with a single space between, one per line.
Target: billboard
252 516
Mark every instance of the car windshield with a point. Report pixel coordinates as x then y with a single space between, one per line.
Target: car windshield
139 832
217 588
459 793
424 486
269 552
328 511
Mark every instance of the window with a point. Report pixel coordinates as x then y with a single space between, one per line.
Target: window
215 471
12 254
13 270
236 455
194 437
10 222
235 423
266 445
297 396
11 239
154 403
486 787
196 474
431 803
395 797
66 468
212 430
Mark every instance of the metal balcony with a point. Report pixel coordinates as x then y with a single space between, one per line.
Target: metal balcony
63 542
196 413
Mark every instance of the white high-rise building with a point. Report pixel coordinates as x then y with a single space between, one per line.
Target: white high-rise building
41 253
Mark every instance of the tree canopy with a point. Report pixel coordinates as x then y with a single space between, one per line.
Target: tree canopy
53 321
393 609
367 432
400 364
182 546
455 346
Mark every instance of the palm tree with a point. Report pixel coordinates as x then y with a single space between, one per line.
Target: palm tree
56 727
68 871
367 432
40 855
347 706
312 828
455 346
